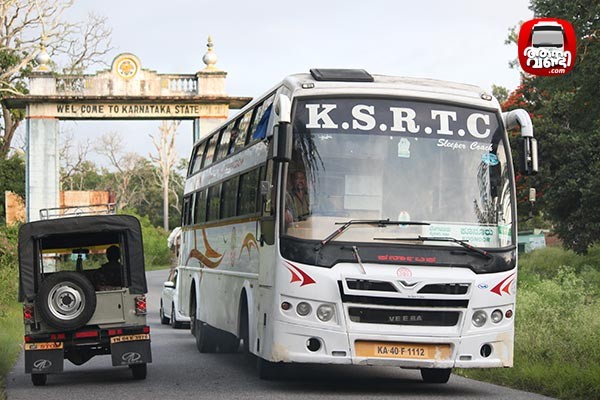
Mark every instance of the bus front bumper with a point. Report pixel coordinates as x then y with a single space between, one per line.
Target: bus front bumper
294 343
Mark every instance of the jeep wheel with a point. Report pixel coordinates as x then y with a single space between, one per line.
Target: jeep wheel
139 371
39 379
66 300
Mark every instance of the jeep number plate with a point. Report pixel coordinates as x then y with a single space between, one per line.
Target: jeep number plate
129 338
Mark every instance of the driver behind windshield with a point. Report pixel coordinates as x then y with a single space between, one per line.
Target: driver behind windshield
109 274
297 202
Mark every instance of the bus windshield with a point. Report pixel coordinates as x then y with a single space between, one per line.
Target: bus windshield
402 160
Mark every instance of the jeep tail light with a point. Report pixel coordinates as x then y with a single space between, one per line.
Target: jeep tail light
140 305
58 337
146 329
86 334
115 332
28 316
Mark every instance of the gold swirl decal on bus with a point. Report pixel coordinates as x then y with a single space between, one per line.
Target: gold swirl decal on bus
211 258
249 242
210 252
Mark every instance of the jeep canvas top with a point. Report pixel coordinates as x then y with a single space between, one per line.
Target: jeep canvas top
82 284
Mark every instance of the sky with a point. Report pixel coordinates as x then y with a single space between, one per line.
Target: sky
258 43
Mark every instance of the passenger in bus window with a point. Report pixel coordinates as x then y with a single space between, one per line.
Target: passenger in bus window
297 202
232 140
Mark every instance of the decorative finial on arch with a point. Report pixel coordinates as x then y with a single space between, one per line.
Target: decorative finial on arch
210 58
42 58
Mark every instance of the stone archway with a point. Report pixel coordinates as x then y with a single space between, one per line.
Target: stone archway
126 91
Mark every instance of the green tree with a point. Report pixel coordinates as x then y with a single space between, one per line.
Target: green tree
26 27
566 117
12 178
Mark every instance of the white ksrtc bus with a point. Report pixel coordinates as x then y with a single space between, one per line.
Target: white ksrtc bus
344 218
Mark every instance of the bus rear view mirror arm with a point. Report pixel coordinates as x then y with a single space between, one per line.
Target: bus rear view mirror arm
528 154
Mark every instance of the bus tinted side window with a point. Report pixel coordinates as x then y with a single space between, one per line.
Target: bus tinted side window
224 142
229 197
261 119
248 193
214 200
186 214
210 151
197 158
243 126
200 207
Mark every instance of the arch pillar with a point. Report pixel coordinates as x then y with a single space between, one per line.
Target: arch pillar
42 168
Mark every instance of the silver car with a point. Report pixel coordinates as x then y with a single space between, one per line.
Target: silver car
170 307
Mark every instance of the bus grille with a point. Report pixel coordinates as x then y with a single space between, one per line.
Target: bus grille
364 284
447 288
403 317
401 301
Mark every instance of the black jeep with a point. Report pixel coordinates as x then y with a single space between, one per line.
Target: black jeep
83 288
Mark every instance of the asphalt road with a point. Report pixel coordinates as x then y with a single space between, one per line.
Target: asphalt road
179 371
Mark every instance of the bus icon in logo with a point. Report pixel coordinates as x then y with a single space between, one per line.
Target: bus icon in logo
547 47
549 35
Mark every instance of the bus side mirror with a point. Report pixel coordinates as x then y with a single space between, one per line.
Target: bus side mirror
282 142
265 188
528 155
282 137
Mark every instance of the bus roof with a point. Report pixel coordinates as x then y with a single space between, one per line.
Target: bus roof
305 85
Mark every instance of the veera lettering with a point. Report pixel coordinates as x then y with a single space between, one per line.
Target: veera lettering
405 119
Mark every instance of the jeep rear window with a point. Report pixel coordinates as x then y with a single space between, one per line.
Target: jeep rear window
77 252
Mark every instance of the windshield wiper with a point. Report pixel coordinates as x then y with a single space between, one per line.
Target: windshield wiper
463 243
377 222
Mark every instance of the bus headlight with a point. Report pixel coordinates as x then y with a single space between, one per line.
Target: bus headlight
325 312
479 318
303 309
496 316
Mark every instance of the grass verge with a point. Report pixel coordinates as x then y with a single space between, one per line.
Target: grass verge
11 333
557 327
11 325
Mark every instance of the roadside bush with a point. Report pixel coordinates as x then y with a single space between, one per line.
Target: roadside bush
8 264
156 252
546 262
557 328
11 328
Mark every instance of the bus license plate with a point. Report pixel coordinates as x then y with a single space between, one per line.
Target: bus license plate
129 338
402 350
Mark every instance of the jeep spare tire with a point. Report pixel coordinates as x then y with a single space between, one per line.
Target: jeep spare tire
66 300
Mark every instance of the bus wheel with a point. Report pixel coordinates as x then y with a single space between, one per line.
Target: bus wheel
193 314
435 375
38 379
205 342
268 370
226 342
244 330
